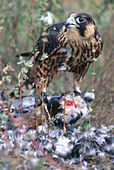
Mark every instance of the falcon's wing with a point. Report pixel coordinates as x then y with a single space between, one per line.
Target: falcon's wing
52 44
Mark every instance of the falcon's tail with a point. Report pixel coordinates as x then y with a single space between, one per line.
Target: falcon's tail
25 54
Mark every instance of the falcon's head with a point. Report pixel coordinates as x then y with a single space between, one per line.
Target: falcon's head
80 25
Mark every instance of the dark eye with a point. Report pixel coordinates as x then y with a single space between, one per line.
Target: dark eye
80 20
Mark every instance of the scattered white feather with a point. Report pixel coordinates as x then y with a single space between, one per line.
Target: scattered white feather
47 19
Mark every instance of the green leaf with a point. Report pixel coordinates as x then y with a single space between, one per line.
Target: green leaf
8 79
24 70
3 115
25 77
93 73
86 126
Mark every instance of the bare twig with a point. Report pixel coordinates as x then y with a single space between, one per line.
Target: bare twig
64 104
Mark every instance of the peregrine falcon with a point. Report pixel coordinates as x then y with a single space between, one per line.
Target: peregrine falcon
75 42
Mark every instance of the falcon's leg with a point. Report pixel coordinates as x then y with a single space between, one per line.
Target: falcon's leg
77 90
46 71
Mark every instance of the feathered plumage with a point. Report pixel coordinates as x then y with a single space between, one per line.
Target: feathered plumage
75 42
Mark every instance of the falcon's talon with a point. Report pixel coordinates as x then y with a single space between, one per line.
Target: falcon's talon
77 92
89 96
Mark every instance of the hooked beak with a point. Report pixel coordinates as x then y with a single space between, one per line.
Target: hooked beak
70 22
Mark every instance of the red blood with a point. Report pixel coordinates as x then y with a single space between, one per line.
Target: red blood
69 103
